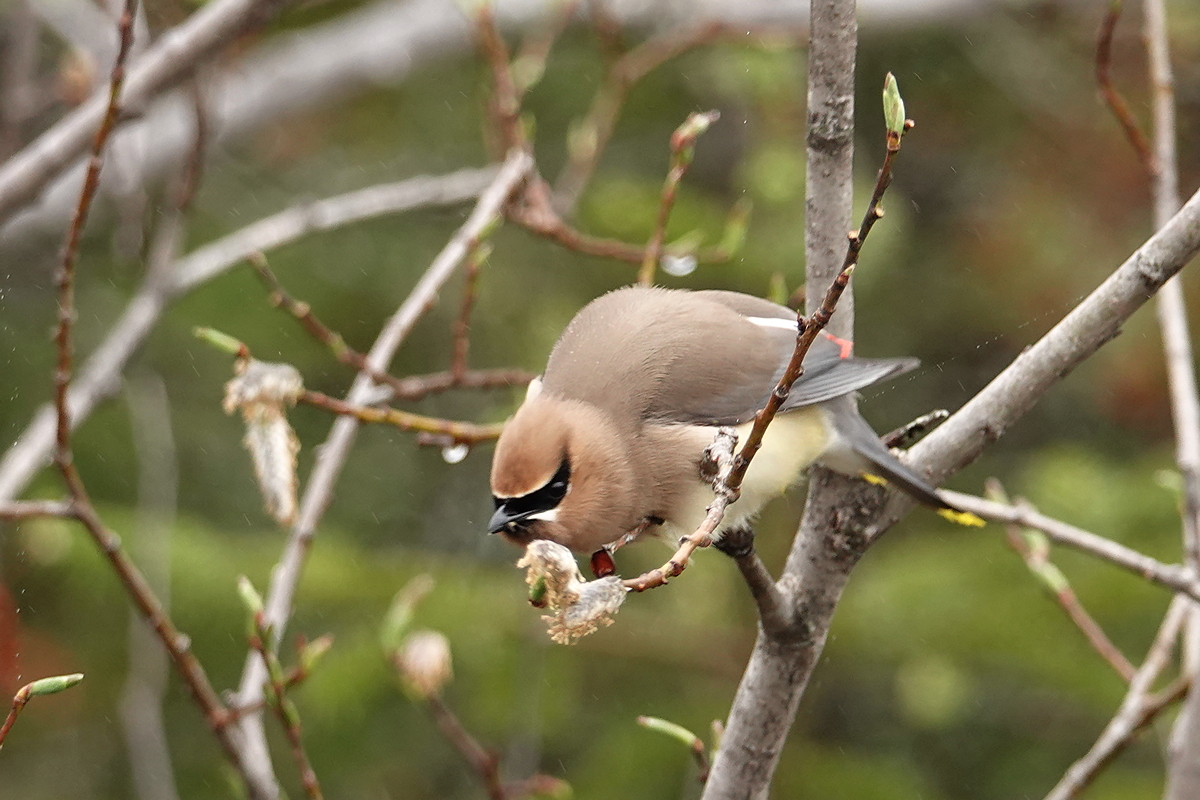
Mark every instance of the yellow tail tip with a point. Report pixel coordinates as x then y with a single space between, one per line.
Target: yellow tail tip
875 479
962 517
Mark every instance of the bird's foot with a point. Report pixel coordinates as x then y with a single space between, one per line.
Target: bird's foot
737 543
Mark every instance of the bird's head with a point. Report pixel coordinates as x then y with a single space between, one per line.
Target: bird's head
561 473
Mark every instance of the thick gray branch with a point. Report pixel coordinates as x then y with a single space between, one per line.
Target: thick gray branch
828 543
1096 320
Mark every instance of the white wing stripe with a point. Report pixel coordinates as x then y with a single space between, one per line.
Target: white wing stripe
774 322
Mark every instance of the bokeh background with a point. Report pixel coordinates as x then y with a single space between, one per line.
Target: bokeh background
949 672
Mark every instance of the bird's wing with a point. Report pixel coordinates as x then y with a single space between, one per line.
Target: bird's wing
696 357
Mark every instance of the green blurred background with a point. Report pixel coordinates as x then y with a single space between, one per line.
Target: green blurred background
949 672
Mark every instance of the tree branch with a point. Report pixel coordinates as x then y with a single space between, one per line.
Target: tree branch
1172 576
828 543
1092 323
1136 711
170 60
332 455
101 373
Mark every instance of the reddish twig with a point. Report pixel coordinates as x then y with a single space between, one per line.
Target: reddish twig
1034 550
412 387
1136 711
462 323
482 761
454 431
590 136
683 145
728 486
504 103
283 707
1112 98
65 277
31 690
458 432
532 207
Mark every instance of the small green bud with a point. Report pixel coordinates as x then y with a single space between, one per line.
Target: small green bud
537 592
221 341
893 106
54 685
400 616
251 599
672 729
314 651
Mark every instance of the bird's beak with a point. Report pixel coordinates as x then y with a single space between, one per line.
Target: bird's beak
504 517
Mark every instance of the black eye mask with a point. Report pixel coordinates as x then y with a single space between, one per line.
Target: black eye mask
515 510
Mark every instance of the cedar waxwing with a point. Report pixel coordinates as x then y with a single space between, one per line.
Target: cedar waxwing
613 432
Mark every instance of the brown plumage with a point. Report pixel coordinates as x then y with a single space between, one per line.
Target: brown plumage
631 396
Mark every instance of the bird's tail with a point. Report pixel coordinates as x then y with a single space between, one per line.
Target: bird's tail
885 468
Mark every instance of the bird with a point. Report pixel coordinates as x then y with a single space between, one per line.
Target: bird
609 440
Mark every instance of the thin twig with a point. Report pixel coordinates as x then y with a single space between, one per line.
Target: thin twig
482 761
1112 98
1135 713
727 484
139 590
590 136
451 431
284 709
721 453
533 208
412 387
28 509
1172 576
332 455
104 366
683 143
456 431
462 323
504 103
65 277
1034 550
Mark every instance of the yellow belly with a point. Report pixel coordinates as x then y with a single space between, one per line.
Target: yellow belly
792 442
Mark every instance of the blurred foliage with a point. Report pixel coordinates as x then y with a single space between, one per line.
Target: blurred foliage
948 674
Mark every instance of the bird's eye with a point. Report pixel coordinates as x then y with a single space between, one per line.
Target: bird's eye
556 489
539 500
